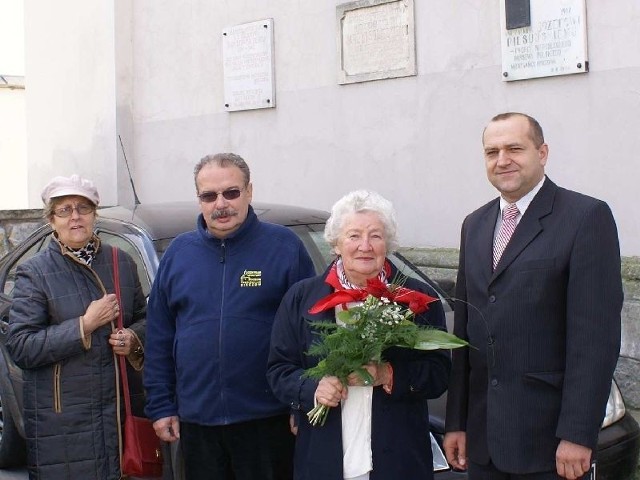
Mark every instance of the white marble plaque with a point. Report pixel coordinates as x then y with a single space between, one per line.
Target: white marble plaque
376 40
247 54
554 44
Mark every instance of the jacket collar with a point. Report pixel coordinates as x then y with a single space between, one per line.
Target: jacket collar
236 237
56 246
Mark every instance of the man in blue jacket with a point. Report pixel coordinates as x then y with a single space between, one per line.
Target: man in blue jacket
209 322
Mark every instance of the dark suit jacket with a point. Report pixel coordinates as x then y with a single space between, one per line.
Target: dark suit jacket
545 326
399 422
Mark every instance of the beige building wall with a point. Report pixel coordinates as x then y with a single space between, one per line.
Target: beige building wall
414 139
70 94
13 133
13 149
151 72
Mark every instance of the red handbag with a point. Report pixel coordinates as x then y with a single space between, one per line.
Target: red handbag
141 455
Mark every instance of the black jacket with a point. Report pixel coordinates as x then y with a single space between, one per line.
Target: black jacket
400 421
546 327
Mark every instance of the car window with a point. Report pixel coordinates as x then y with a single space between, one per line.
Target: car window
10 281
161 246
319 251
124 244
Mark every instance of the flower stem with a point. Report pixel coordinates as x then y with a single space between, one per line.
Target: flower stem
318 415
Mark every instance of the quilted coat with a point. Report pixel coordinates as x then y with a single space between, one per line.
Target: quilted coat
70 385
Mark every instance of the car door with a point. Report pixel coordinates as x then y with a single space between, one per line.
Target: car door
12 449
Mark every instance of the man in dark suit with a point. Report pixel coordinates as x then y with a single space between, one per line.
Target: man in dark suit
539 296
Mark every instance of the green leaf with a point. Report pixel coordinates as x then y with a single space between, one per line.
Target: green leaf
434 339
349 317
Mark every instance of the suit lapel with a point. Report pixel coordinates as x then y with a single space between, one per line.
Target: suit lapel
529 226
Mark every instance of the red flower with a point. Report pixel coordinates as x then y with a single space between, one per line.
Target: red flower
418 302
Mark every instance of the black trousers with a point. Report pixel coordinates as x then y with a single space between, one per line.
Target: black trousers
255 450
490 472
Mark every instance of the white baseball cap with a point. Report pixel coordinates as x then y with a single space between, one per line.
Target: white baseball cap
73 185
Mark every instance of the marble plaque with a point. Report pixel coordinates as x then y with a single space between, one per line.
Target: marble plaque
247 54
554 44
376 40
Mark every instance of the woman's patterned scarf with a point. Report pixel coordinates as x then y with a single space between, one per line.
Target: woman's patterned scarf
84 254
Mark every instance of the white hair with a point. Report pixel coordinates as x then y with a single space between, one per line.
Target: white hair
362 201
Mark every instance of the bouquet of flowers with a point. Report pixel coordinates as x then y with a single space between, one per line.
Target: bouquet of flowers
378 323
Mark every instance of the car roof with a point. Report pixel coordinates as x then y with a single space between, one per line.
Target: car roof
167 220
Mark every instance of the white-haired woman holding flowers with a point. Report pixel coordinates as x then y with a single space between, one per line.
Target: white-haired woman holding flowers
377 424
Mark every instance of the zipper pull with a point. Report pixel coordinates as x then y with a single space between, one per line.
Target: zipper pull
224 252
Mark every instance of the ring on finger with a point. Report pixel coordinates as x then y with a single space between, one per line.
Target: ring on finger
122 343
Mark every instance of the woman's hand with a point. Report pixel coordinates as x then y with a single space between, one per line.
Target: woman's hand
123 341
100 312
330 392
381 373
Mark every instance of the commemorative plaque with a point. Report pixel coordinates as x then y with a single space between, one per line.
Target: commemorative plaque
555 42
247 54
376 40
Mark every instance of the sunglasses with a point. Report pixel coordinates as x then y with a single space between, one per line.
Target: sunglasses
67 210
210 197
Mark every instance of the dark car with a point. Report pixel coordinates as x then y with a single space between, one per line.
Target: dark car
146 231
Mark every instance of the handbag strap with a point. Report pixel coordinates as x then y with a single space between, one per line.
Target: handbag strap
121 359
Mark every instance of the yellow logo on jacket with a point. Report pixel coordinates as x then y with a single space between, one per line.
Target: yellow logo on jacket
251 278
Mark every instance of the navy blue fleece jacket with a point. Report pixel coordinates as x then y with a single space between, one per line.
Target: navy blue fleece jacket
209 321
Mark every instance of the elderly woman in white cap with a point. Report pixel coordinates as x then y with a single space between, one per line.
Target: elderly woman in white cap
62 333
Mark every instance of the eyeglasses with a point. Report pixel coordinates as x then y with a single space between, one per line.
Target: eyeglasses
210 197
66 211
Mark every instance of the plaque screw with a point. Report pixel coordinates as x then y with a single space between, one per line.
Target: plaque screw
224 33
265 26
505 74
579 65
268 100
226 105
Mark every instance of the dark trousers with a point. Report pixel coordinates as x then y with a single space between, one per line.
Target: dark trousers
490 472
255 450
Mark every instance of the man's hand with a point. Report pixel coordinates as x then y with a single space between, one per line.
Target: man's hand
167 428
572 460
455 449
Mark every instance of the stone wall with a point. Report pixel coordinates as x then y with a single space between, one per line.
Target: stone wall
16 225
441 265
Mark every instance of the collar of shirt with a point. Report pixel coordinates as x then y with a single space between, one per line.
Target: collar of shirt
523 203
